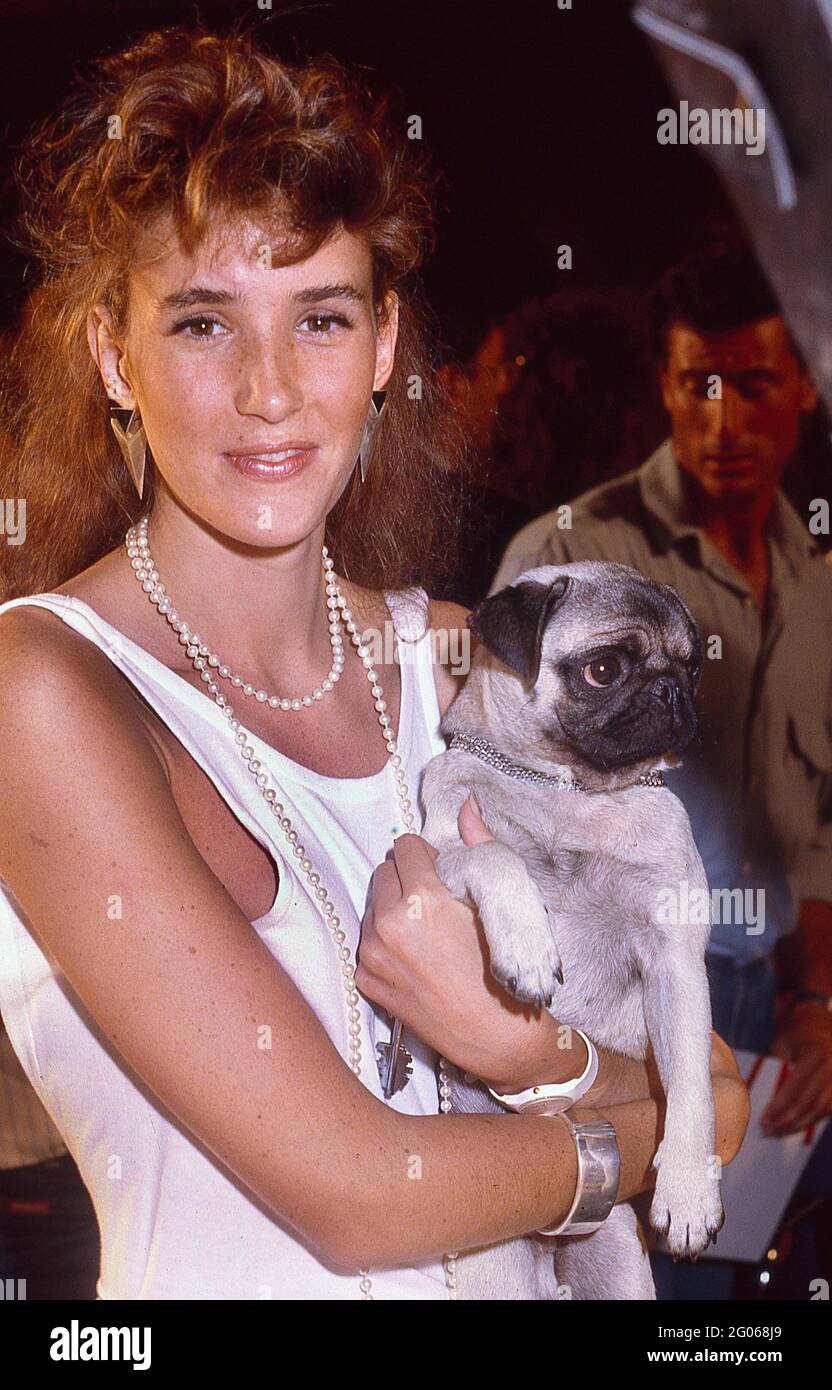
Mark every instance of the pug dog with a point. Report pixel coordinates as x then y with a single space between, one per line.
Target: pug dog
586 672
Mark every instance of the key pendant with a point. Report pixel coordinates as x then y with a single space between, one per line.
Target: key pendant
394 1062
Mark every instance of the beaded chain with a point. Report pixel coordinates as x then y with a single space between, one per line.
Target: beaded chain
208 664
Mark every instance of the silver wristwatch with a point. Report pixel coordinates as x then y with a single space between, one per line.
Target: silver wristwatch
599 1168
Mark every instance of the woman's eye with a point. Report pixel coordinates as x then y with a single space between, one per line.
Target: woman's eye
199 327
317 319
601 672
198 321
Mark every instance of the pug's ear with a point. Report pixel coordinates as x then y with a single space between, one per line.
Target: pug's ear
511 623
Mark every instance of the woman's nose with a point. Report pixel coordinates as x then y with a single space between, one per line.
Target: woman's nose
269 385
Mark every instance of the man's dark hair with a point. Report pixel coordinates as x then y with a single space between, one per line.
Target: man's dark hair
712 291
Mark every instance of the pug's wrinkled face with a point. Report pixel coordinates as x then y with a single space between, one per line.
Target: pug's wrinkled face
612 661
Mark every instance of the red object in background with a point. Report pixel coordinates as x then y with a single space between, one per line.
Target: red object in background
785 1070
18 1207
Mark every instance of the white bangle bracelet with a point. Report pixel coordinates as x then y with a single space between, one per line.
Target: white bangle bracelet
553 1099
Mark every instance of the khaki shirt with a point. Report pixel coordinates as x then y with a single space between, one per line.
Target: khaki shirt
757 784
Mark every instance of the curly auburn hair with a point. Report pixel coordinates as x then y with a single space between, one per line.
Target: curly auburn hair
210 128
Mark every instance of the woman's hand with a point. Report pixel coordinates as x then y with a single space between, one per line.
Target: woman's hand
424 958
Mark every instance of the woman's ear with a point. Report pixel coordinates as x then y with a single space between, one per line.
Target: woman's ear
108 356
388 332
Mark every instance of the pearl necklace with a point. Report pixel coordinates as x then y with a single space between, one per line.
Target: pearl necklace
336 642
206 662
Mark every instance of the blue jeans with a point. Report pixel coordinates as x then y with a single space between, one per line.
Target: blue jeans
742 1004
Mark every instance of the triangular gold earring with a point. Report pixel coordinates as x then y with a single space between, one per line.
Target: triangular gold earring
132 440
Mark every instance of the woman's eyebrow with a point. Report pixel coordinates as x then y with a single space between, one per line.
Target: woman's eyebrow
201 294
198 294
342 290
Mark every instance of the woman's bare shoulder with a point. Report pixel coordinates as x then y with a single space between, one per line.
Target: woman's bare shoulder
453 642
47 643
47 669
37 645
445 613
453 646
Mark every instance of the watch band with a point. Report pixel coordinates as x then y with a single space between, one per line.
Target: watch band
599 1168
553 1098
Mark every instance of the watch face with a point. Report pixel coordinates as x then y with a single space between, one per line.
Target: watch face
547 1105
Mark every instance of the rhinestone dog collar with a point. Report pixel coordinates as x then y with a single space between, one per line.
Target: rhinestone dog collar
481 748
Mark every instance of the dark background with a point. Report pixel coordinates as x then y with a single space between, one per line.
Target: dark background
543 122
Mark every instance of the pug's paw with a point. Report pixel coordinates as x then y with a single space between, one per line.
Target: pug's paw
688 1214
525 958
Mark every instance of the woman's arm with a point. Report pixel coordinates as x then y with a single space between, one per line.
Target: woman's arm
486 1178
543 1057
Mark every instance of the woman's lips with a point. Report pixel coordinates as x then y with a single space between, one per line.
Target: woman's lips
271 469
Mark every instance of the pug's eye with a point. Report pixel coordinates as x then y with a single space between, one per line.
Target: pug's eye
602 671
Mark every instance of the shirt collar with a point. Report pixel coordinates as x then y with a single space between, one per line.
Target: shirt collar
665 492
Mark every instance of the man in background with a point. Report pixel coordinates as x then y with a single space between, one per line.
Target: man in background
707 515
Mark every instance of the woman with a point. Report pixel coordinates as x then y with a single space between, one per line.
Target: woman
230 246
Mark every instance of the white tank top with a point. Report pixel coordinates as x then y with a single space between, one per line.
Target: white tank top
174 1223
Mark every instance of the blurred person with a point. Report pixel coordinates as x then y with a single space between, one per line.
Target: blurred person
489 515
706 513
562 387
584 406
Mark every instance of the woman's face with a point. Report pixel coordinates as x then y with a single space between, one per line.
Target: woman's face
228 358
